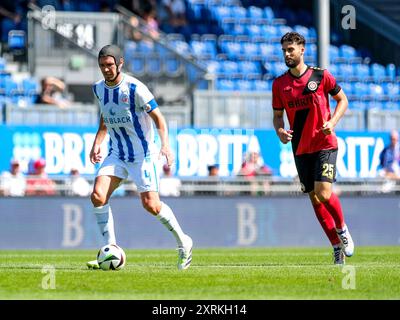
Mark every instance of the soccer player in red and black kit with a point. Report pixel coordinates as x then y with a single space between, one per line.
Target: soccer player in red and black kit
302 92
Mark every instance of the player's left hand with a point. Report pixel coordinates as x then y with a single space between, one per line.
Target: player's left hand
166 151
327 128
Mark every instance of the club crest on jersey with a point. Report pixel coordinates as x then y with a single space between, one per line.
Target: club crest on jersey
312 86
124 98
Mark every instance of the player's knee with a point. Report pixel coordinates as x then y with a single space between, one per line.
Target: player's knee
323 195
98 199
152 206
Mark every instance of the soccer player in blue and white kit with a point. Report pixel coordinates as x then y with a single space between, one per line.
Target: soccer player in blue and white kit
128 110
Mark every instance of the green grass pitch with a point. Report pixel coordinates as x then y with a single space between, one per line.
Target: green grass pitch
216 274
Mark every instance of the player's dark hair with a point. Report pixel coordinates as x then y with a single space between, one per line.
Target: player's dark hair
293 37
112 51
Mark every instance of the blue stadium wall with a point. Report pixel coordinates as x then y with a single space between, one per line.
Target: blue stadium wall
68 223
195 148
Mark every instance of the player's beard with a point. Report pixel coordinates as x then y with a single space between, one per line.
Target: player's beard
293 62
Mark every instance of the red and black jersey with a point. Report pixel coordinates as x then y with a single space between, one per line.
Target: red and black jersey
306 102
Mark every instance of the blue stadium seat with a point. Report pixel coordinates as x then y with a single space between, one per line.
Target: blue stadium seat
347 52
270 31
249 68
255 13
200 49
225 85
347 88
346 70
251 49
261 85
333 53
153 65
30 86
213 66
172 66
375 105
333 69
145 47
302 30
391 106
137 64
2 64
130 48
16 40
232 49
358 105
219 13
182 47
10 87
238 12
229 68
267 50
378 71
361 71
269 14
376 90
391 88
279 68
391 71
284 29
360 89
243 85
254 30
196 10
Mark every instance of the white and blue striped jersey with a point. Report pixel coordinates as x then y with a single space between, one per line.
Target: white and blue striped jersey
125 109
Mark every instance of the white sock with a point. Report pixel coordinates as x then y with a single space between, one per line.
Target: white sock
167 218
105 221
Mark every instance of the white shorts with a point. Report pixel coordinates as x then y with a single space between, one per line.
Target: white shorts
144 174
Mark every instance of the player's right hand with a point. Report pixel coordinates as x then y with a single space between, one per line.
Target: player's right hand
95 156
285 135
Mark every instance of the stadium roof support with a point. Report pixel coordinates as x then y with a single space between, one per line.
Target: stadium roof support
323 18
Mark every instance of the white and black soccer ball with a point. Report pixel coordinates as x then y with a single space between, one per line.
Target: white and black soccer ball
111 257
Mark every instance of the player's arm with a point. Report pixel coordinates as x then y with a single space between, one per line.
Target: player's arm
341 107
161 126
279 124
95 155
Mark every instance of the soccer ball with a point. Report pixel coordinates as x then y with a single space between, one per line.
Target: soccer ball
111 257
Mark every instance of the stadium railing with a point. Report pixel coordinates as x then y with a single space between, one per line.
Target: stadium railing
244 186
42 114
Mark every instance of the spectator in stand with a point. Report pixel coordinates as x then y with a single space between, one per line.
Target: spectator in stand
11 17
78 185
390 158
52 92
174 16
147 10
170 186
253 165
13 182
213 170
39 184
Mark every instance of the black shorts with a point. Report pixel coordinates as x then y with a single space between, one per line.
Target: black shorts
318 166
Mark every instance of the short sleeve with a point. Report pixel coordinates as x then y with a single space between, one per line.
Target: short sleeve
330 85
276 98
95 92
145 99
